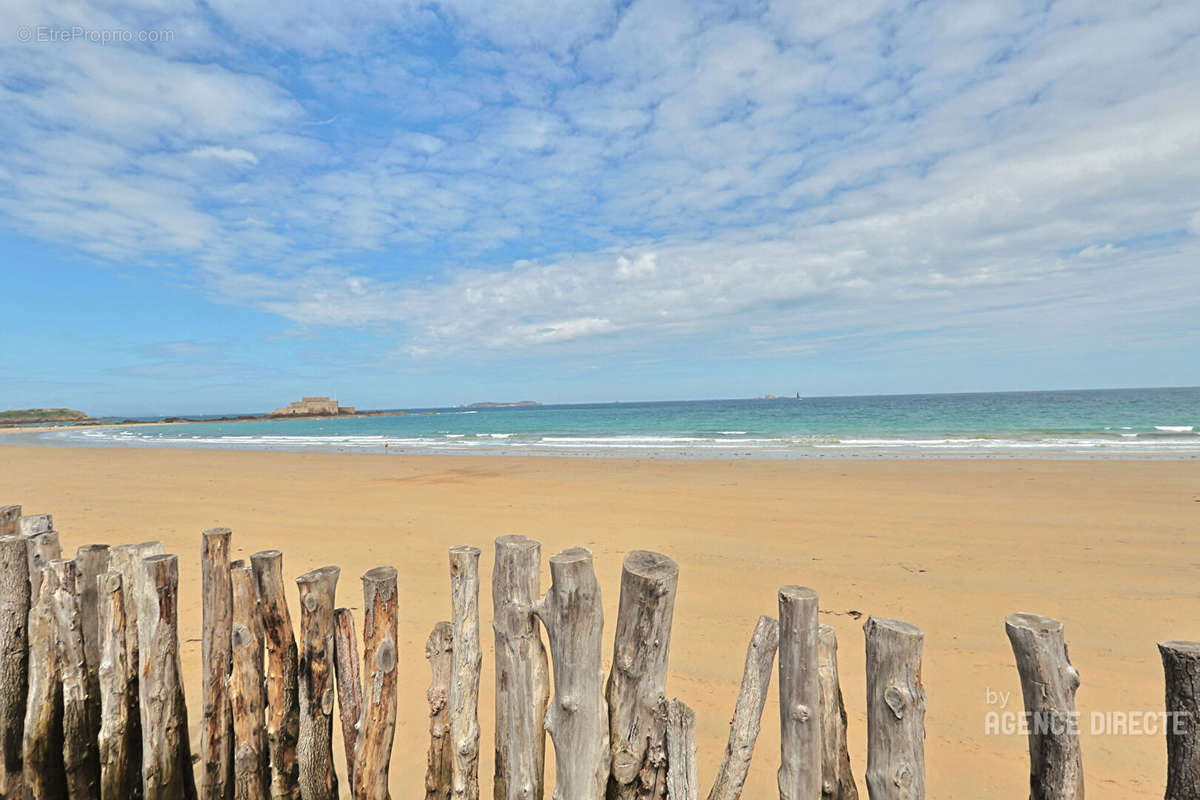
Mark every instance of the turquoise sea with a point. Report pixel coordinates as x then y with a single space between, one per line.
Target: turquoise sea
1125 423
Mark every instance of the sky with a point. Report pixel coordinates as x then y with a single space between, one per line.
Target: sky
219 207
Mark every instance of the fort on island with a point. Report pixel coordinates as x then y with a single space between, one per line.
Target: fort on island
312 407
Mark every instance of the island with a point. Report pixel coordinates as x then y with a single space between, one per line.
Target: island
33 416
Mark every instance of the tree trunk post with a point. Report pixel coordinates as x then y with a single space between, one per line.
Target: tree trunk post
522 672
32 524
439 650
318 777
378 726
91 561
577 718
166 750
895 710
250 769
42 549
837 780
283 694
638 680
1048 684
216 733
14 659
681 752
10 520
42 743
747 714
349 683
799 695
117 692
81 712
1181 668
464 689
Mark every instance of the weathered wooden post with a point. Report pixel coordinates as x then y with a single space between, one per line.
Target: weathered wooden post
1048 684
638 680
522 672
283 694
349 683
81 711
32 524
91 561
577 718
117 693
10 517
799 695
439 766
681 752
216 733
378 727
250 769
14 657
747 714
318 777
1181 668
166 750
837 781
42 743
895 711
42 549
464 688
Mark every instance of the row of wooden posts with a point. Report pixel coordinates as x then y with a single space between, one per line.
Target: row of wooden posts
93 702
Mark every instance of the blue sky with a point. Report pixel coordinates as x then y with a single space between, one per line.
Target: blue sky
409 204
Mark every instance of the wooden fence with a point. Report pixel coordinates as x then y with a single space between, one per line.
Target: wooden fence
93 703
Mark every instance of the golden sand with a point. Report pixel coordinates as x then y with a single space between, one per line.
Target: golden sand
1109 547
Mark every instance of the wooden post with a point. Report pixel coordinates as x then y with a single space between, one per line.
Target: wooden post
349 683
10 520
1048 684
216 733
681 752
378 727
166 750
464 689
127 560
1181 668
895 711
577 718
91 561
747 714
522 672
638 680
42 549
32 524
837 781
283 698
318 777
439 650
799 695
115 675
42 744
14 658
250 769
81 711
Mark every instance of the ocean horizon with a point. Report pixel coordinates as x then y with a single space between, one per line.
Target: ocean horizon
1093 423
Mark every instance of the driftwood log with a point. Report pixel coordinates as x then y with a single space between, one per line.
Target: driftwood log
91 561
81 710
349 682
1048 684
117 693
577 718
10 520
14 657
837 781
1181 668
522 672
377 730
166 750
747 714
216 731
799 695
250 771
31 524
314 752
42 549
283 697
638 680
42 744
464 687
681 752
895 711
439 650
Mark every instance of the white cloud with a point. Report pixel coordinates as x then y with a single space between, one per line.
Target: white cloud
233 155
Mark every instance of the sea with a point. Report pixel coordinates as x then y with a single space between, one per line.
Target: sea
1116 423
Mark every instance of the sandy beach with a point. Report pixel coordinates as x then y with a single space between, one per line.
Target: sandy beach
1109 547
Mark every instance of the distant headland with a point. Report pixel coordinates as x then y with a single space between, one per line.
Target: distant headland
32 416
305 407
